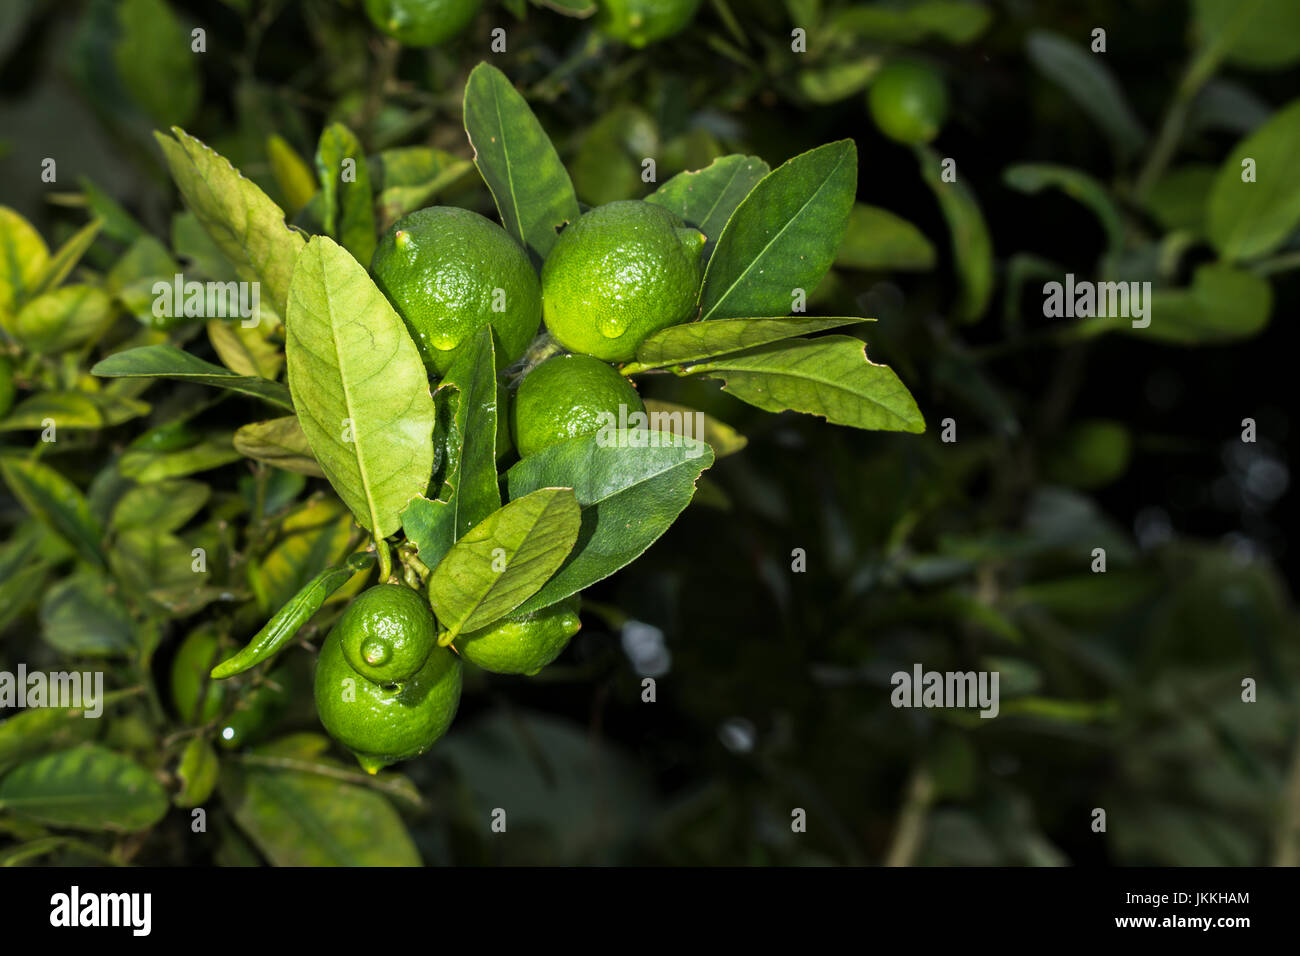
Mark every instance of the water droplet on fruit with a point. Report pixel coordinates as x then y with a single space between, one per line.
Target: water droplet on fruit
612 326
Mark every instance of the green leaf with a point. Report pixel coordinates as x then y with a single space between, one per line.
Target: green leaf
783 236
70 410
630 490
829 376
690 423
1256 34
306 819
1248 219
504 560
62 319
470 474
696 341
1224 304
245 350
1079 186
68 255
24 260
1178 199
117 222
286 622
164 506
291 172
279 442
707 198
145 465
38 730
167 361
836 81
878 239
972 247
316 536
198 772
86 788
570 8
154 59
953 20
246 226
359 386
57 502
518 162
411 177
349 212
1087 80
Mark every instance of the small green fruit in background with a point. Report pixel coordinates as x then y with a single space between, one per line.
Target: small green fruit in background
908 101
523 645
387 633
257 712
567 396
384 724
422 22
639 22
620 273
448 272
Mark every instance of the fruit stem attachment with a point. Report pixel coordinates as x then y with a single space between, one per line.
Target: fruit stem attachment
385 560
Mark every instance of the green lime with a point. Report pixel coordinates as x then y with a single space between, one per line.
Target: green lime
422 22
621 272
567 396
522 645
908 102
196 656
385 724
449 272
6 385
258 710
387 633
638 22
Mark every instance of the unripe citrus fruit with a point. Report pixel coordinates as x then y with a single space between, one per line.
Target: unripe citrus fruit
621 272
522 645
638 22
448 272
383 724
387 633
908 102
258 711
422 22
567 396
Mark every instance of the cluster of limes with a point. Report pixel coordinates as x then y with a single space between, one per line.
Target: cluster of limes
429 22
384 686
619 273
